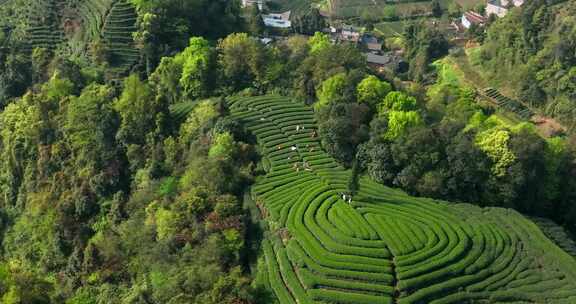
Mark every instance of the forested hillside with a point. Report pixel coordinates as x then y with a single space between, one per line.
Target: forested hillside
532 51
162 151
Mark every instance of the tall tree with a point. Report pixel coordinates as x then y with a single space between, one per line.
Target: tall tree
197 68
242 60
256 25
141 114
435 8
331 91
372 90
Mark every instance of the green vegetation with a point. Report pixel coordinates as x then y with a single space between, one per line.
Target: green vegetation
533 57
118 206
117 35
158 151
368 9
384 246
391 28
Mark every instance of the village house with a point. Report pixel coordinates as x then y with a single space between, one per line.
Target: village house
470 17
371 43
260 3
266 40
278 20
500 7
391 61
349 33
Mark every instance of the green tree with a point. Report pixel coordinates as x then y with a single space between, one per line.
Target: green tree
424 44
477 32
90 126
256 25
223 146
372 90
454 9
166 26
167 223
495 144
197 67
15 76
166 79
20 133
331 91
197 121
435 8
323 64
99 52
242 60
140 112
390 13
342 127
309 23
41 58
397 101
555 157
480 8
319 42
400 121
230 289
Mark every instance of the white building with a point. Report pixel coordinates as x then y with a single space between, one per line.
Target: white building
470 17
260 3
500 7
277 20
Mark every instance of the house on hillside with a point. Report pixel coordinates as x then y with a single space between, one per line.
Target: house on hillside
266 40
371 43
247 3
391 61
500 7
349 33
278 20
470 17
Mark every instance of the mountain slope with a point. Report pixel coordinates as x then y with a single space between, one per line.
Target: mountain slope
531 51
384 246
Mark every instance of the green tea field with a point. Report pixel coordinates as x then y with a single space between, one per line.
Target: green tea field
71 28
380 245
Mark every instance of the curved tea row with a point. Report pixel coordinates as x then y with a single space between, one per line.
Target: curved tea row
71 27
117 31
383 246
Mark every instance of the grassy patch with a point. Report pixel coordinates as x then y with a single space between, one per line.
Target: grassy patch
469 4
296 6
391 29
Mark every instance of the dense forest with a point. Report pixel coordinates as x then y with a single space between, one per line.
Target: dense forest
532 50
125 174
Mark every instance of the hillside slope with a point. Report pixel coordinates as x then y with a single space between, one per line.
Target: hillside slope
531 51
384 246
72 29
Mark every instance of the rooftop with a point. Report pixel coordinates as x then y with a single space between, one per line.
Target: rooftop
277 20
474 17
378 59
369 39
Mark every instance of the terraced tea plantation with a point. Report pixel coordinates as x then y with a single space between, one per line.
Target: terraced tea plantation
69 27
507 103
382 245
117 32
